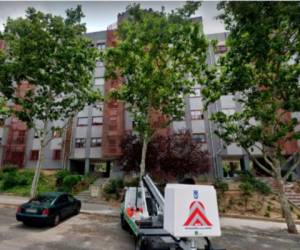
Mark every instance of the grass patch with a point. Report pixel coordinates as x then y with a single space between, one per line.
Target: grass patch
18 182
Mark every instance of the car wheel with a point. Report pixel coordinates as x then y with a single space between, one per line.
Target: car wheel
56 220
26 223
77 210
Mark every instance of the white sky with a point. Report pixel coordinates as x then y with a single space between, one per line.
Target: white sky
100 14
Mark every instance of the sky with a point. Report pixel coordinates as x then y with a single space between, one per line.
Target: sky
100 14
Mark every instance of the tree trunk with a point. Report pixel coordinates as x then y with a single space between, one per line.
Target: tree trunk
143 159
39 163
285 206
37 173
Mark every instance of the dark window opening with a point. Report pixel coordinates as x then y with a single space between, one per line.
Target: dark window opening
80 142
96 142
34 155
56 154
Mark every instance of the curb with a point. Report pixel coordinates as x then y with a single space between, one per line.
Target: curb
106 214
233 216
6 205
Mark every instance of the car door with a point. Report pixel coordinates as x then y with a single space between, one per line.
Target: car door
62 205
71 205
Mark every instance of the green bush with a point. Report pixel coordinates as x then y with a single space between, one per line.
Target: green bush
9 180
22 180
262 187
60 175
259 186
67 181
71 180
246 188
9 168
221 186
113 187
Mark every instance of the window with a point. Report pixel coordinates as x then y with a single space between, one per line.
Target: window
196 115
34 155
99 81
199 138
80 142
101 46
36 136
2 121
228 112
97 120
71 199
56 154
96 142
221 49
19 137
98 107
82 121
197 92
62 199
56 133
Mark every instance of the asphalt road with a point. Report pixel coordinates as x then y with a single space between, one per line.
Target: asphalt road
104 233
76 233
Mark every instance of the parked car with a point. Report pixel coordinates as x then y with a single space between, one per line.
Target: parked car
48 208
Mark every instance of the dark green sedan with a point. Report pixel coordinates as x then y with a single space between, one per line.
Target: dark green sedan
48 208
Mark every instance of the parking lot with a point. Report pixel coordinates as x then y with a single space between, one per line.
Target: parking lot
104 233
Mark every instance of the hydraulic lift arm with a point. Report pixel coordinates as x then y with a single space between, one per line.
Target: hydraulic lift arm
154 192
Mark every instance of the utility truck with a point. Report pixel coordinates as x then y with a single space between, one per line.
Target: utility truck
174 221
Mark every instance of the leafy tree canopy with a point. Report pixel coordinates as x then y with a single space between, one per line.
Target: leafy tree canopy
171 156
46 71
262 68
159 56
53 55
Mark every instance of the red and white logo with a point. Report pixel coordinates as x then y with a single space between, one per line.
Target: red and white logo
197 216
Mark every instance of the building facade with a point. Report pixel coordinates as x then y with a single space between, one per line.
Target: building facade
92 138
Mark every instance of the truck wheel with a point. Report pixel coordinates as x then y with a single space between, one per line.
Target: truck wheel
124 224
141 244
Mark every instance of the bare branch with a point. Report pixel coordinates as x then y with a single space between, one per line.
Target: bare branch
267 160
259 164
51 137
290 159
296 164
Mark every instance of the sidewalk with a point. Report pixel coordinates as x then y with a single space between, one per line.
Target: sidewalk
90 208
270 226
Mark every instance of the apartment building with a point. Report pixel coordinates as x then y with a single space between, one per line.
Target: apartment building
92 138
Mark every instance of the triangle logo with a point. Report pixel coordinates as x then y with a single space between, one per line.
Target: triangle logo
197 216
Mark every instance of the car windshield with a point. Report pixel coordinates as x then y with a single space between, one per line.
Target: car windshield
43 199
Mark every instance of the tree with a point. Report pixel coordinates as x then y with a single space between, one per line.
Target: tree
169 156
159 56
262 70
52 54
4 110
